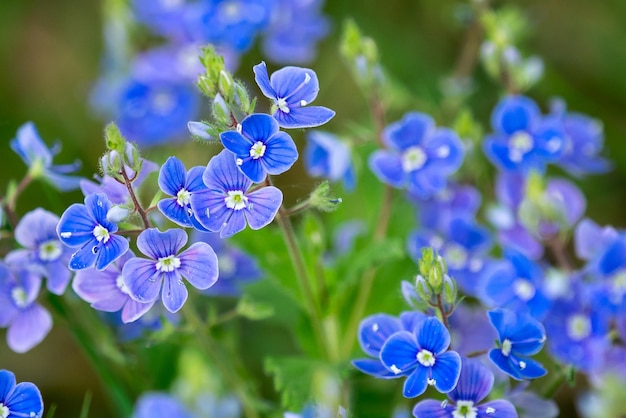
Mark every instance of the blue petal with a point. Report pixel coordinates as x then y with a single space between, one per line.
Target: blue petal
172 176
295 84
29 146
532 369
29 328
174 212
412 130
235 223
63 182
210 210
387 167
525 332
475 382
497 409
198 264
374 368
304 117
375 330
157 244
86 256
262 206
58 276
115 247
253 169
399 353
199 129
76 226
25 399
174 293
142 279
193 180
7 383
134 310
222 174
258 127
157 404
433 409
409 320
445 150
417 382
432 335
98 205
515 113
446 371
236 143
36 227
263 80
280 153
504 363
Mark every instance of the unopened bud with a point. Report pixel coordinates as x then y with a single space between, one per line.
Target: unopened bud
117 214
423 288
450 290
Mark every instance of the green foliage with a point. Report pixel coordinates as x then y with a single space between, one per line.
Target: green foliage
293 377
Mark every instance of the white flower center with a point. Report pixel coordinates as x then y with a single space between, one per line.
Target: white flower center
506 347
168 264
4 411
456 256
578 327
163 103
465 409
227 264
524 289
426 358
413 159
19 296
119 282
236 200
519 145
618 287
101 234
50 250
182 197
257 150
282 105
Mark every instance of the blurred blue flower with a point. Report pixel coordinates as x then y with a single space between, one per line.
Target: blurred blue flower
420 157
292 89
327 156
38 157
155 404
590 239
470 330
86 226
260 148
166 268
454 202
21 400
520 336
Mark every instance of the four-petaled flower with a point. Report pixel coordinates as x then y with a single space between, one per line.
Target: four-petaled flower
226 204
327 156
19 400
167 268
520 336
292 89
86 226
260 148
422 356
473 386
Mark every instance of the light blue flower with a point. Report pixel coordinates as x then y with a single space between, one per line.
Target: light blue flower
21 400
326 156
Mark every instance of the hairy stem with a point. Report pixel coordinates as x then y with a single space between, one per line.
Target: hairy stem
133 196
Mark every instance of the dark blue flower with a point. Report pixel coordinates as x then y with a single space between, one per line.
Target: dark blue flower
292 89
21 400
86 226
226 205
475 383
419 158
520 336
423 356
155 404
175 181
38 157
327 156
260 148
454 202
166 268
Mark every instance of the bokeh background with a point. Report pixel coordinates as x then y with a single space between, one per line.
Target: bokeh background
50 56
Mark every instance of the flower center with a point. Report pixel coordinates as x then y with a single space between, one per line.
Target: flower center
227 264
236 200
50 250
465 409
413 159
519 145
101 233
19 296
578 327
426 358
618 287
506 347
524 289
456 256
119 282
168 264
163 103
257 150
182 197
4 411
282 105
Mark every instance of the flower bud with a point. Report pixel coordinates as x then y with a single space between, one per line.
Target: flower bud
117 214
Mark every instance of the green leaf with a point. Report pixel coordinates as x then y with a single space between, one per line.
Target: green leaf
293 377
254 310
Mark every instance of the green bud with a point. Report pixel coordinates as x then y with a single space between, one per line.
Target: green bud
213 67
243 98
320 198
425 263
113 138
435 278
132 159
118 213
111 164
226 85
450 290
221 112
422 288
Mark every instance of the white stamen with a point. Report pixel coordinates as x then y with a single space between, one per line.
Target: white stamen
282 105
65 234
236 200
257 150
506 347
375 327
50 250
303 103
578 327
395 369
443 151
413 159
168 264
239 128
522 365
431 382
238 161
183 197
19 296
426 358
520 144
4 411
524 289
490 410
465 409
456 256
101 234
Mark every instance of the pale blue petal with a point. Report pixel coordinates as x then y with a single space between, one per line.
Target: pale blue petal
193 181
172 176
433 409
222 174
160 405
198 264
262 79
387 167
199 129
76 226
98 205
262 206
236 222
156 244
25 401
142 279
374 368
446 371
475 382
375 330
174 293
29 146
280 153
497 409
210 209
114 248
174 212
134 310
36 227
515 113
432 335
445 150
412 130
29 328
304 117
63 182
295 84
58 275
417 382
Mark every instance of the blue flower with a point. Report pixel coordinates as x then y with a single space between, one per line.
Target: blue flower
226 205
166 268
38 157
327 156
522 141
423 356
420 157
44 253
475 383
156 404
176 181
260 148
28 322
87 227
454 202
292 89
520 336
21 400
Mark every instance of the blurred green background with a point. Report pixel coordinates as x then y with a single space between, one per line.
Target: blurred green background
49 58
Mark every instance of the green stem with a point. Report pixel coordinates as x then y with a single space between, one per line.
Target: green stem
556 384
133 196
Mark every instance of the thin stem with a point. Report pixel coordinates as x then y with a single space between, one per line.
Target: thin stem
442 311
133 196
217 357
556 384
9 206
557 248
298 207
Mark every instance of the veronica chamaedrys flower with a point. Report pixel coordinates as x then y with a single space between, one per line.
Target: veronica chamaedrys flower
327 156
105 290
520 336
260 148
154 404
423 356
38 157
175 181
28 322
475 383
226 205
420 156
292 89
43 251
86 226
19 400
166 268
